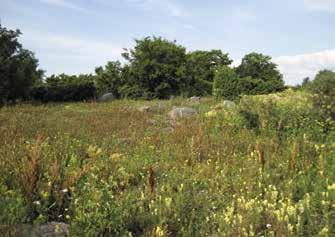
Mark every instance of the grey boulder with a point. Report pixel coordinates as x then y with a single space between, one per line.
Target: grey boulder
106 97
181 112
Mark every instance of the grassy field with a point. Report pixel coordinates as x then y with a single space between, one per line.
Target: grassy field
264 167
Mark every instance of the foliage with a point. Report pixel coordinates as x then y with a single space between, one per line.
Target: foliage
156 68
266 76
225 83
18 68
200 70
323 88
109 79
64 93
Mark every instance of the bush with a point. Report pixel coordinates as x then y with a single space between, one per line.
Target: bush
64 93
225 83
323 88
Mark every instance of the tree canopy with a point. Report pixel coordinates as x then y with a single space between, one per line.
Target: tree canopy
18 67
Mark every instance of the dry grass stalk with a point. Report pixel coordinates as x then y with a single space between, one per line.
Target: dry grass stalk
293 157
151 180
261 156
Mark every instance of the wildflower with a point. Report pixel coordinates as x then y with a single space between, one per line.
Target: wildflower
37 202
168 201
268 226
331 187
211 113
115 156
65 190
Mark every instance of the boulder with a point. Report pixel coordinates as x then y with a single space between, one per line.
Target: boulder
226 104
53 229
106 97
145 109
195 99
181 112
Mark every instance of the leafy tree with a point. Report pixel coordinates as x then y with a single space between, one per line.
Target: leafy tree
109 79
18 67
225 83
201 66
156 68
259 67
323 88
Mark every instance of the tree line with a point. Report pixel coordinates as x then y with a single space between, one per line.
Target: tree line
155 68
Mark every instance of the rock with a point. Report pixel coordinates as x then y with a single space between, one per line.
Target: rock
52 229
195 99
145 109
181 112
168 129
106 97
226 104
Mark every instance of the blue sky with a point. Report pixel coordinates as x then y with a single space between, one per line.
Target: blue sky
75 36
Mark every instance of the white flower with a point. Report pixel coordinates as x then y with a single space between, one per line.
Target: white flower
268 226
65 190
37 202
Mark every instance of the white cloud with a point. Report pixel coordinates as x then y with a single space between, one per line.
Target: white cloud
65 4
69 54
297 67
320 5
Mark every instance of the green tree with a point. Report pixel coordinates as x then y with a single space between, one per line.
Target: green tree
18 67
109 78
225 83
260 68
156 69
201 66
323 89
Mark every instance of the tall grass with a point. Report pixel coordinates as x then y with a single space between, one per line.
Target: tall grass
264 167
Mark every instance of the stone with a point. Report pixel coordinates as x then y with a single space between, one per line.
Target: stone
181 112
52 229
195 99
145 109
106 97
226 104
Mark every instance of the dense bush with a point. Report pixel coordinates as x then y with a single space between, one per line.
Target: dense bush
323 88
200 71
63 93
225 83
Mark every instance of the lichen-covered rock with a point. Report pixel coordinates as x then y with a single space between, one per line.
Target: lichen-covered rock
181 112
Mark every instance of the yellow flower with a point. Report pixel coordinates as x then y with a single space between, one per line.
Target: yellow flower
211 113
331 187
116 156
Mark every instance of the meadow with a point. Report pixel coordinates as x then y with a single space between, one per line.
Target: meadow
264 167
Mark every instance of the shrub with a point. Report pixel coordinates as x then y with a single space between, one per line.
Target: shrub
64 93
225 83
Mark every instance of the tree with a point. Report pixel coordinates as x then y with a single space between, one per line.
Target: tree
156 68
323 89
201 66
259 67
18 67
225 83
109 79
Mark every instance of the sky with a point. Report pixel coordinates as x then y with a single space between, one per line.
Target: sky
75 36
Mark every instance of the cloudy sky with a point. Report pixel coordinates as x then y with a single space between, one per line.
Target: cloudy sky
75 36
